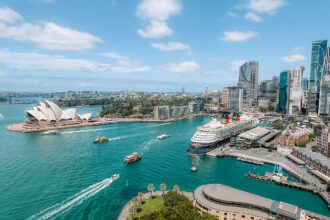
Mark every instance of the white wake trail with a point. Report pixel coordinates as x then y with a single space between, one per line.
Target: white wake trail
1 116
88 130
72 201
167 123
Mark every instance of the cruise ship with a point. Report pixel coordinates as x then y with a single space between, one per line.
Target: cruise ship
218 131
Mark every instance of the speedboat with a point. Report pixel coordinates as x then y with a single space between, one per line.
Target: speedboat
163 136
50 132
101 140
115 176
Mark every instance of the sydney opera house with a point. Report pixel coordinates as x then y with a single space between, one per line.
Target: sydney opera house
48 113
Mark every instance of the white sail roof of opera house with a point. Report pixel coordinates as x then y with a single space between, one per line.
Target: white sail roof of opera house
49 111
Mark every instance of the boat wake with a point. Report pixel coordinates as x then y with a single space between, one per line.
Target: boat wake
157 125
1 116
88 130
146 145
72 201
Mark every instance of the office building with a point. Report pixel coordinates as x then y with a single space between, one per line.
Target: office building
224 98
318 52
268 89
324 104
283 92
248 81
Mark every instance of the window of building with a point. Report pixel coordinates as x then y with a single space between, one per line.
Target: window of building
243 216
252 218
225 213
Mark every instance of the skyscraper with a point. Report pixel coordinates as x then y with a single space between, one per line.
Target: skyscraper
318 53
324 104
283 92
295 91
248 81
235 99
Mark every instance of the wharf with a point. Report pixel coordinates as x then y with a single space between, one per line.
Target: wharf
250 160
269 177
77 123
218 152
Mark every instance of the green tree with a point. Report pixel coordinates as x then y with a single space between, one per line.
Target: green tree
141 197
163 187
314 148
302 144
176 188
151 188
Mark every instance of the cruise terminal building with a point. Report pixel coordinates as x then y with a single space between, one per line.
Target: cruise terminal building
232 204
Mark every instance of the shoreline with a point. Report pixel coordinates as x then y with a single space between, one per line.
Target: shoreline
21 128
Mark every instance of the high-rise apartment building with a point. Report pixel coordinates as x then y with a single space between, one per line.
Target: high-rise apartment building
318 52
248 81
295 91
323 141
324 104
235 99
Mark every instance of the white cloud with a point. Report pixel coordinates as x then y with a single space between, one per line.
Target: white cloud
238 36
8 15
293 58
46 35
170 46
159 10
114 55
236 64
265 6
183 67
156 29
39 61
253 17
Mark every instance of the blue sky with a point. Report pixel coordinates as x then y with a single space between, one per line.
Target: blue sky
152 45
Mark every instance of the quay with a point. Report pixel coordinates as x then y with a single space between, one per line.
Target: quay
23 127
250 160
283 180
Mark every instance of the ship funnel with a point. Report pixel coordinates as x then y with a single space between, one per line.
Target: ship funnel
237 118
227 121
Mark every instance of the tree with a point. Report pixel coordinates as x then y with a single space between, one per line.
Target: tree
163 187
151 188
176 188
314 148
302 144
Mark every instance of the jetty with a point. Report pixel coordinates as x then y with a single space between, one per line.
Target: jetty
281 180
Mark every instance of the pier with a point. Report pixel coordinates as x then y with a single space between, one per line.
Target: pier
250 160
281 180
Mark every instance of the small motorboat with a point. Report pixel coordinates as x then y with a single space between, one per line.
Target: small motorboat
50 132
115 176
101 140
193 169
163 136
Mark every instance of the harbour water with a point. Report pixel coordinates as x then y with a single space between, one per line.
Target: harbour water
64 176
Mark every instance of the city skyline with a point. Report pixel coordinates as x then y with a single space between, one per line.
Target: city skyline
46 45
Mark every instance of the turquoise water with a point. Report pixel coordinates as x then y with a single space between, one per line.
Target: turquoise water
40 173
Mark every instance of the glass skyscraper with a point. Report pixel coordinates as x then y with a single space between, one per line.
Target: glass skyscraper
248 81
318 53
324 104
283 92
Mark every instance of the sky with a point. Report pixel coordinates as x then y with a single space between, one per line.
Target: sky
152 45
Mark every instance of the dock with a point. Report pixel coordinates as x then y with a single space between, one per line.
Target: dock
281 180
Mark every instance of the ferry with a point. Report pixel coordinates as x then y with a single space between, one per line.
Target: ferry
132 158
50 132
101 140
163 136
218 132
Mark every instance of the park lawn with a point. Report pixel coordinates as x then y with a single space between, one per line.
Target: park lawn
151 205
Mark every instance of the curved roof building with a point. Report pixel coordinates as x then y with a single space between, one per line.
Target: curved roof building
232 204
49 111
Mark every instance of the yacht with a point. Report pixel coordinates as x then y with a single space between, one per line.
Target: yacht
163 136
115 176
217 132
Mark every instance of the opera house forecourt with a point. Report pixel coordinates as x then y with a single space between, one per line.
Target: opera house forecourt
232 204
47 115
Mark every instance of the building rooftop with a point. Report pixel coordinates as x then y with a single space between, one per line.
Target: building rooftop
226 198
255 133
314 156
